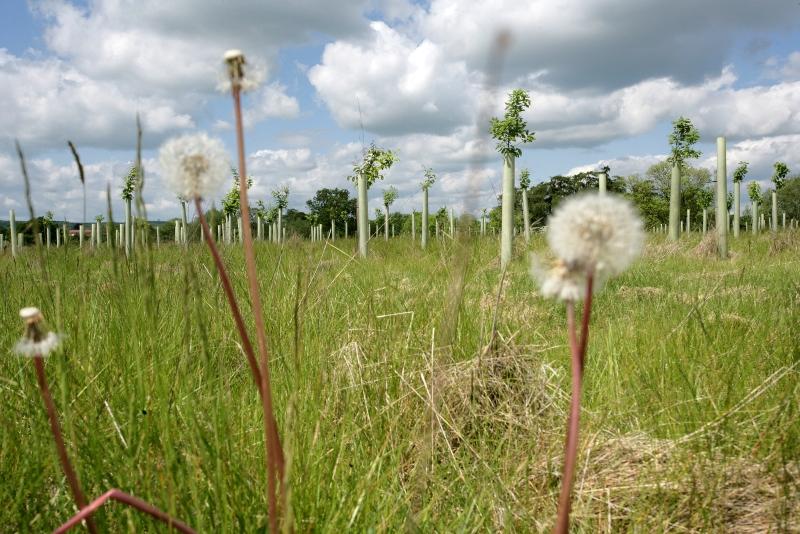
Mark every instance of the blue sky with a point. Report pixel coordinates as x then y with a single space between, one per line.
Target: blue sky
606 78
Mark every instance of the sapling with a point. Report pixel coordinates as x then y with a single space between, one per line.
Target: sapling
389 196
128 187
374 161
99 220
754 191
722 199
779 179
452 221
593 237
427 182
682 139
704 199
738 176
602 179
509 132
184 221
47 222
281 196
524 184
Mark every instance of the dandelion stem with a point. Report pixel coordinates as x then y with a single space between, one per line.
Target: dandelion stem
50 407
228 289
130 500
275 462
578 352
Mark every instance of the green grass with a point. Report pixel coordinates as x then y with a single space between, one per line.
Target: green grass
691 391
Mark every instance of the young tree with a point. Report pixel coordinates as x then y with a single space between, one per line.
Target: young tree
374 161
128 188
281 196
779 179
754 191
682 140
524 184
704 199
738 177
389 196
230 205
602 179
427 182
510 132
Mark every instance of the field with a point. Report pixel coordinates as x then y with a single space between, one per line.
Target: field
410 397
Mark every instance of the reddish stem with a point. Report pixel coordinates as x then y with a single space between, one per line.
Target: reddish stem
237 317
55 428
228 289
258 316
130 500
578 354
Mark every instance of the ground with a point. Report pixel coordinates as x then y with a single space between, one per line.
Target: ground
414 390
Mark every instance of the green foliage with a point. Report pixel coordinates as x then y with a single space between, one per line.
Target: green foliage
511 130
389 196
47 220
682 140
704 198
653 206
260 210
789 199
129 184
99 218
740 172
429 179
230 202
281 196
779 176
374 161
525 179
754 191
333 205
729 200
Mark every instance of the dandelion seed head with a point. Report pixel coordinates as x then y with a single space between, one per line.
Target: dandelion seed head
36 341
559 281
194 165
234 73
42 348
603 233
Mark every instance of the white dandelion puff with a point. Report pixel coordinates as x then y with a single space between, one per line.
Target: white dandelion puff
47 344
234 72
602 233
35 342
559 281
194 166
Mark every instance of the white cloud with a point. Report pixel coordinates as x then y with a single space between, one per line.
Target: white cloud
47 102
271 102
392 84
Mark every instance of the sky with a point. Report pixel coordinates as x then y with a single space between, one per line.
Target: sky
606 78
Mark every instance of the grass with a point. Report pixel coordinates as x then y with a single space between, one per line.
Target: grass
398 413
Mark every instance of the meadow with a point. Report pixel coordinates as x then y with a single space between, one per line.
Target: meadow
415 390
